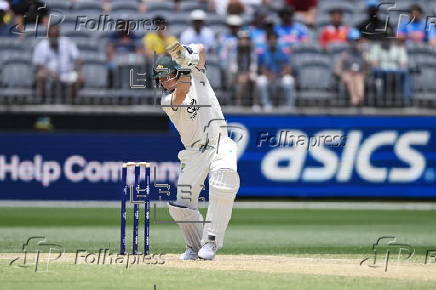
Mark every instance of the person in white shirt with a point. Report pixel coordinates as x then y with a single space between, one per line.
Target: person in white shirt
56 59
198 33
192 106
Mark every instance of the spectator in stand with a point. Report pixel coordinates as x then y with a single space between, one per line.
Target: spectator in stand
432 36
198 33
275 73
177 5
390 61
122 45
290 32
235 7
106 6
30 13
352 68
336 32
247 67
159 40
225 7
237 59
258 30
305 8
416 30
57 62
373 28
5 20
122 42
228 49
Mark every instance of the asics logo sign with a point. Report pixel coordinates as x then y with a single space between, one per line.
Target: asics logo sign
355 157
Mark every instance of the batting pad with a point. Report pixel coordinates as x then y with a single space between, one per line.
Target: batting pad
191 231
223 186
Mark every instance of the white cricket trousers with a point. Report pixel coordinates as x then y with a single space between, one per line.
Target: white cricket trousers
196 165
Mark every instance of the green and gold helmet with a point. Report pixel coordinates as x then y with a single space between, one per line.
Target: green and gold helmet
164 66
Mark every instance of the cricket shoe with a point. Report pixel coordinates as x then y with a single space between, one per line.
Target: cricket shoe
207 252
189 254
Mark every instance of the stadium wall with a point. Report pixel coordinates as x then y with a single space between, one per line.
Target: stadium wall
279 156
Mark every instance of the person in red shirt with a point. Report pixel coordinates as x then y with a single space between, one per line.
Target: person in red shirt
305 8
336 32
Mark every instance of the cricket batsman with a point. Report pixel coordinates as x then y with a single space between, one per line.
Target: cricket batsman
191 104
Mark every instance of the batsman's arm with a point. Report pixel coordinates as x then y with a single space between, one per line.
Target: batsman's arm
202 56
182 88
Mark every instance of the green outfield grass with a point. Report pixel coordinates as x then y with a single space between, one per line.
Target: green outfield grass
251 231
313 233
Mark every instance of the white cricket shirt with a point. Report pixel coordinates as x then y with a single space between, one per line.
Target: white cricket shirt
197 124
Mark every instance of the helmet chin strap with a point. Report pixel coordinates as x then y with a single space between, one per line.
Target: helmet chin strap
173 88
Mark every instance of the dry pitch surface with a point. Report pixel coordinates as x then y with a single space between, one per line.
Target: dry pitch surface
403 270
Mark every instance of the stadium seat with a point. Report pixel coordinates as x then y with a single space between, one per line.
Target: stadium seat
13 48
322 20
336 49
87 7
16 80
127 7
58 5
87 44
431 8
11 42
69 20
315 79
17 73
421 53
305 51
178 19
7 53
213 72
306 48
30 32
358 19
219 29
67 27
299 61
87 56
95 74
215 19
424 83
90 49
190 5
176 30
157 7
76 33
